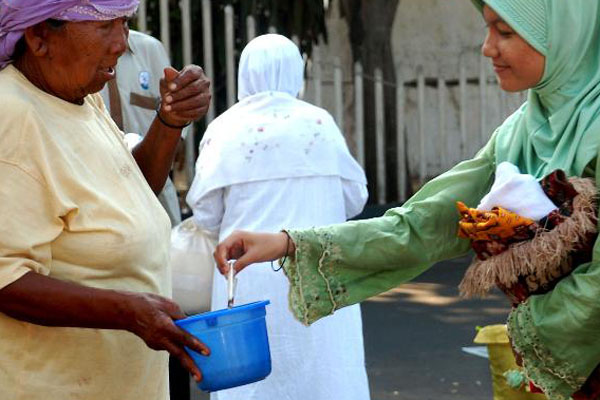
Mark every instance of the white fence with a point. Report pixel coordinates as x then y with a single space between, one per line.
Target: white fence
442 120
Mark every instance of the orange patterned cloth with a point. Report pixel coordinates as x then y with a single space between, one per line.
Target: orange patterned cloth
497 224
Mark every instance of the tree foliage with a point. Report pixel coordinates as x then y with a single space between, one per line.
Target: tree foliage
370 25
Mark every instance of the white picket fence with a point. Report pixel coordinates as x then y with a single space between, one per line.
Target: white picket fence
442 120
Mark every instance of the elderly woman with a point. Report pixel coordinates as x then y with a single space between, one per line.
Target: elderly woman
269 162
84 275
551 48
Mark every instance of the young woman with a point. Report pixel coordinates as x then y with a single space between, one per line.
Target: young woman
551 48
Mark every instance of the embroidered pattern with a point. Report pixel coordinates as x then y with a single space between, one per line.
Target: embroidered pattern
558 379
308 281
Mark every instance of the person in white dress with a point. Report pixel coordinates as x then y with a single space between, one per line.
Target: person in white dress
273 161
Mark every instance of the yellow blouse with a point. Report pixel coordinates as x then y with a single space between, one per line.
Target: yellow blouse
75 207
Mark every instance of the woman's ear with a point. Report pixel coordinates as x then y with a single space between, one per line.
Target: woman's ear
36 38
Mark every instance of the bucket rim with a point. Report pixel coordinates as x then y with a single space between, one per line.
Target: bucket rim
223 312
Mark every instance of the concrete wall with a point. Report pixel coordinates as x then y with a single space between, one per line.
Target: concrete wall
434 33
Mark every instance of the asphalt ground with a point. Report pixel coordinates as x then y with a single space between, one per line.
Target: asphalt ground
414 336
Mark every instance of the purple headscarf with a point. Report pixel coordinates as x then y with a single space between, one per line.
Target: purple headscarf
18 15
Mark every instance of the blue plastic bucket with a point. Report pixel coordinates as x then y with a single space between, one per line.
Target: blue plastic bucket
238 343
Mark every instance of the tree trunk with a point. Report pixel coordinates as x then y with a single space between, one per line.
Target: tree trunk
370 23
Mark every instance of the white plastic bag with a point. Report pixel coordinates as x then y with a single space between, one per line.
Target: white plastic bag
192 265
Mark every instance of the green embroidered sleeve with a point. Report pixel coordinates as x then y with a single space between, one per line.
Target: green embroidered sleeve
343 264
557 378
558 333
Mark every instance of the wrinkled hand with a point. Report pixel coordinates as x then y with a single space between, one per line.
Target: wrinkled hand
152 320
249 248
185 96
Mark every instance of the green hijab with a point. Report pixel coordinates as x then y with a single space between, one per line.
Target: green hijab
559 125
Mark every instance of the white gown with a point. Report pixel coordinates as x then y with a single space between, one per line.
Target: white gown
326 360
273 162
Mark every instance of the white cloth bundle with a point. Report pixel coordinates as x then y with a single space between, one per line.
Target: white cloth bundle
518 193
192 266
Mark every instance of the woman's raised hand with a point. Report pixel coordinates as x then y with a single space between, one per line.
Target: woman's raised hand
185 95
249 248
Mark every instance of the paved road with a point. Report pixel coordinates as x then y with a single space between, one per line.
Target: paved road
414 335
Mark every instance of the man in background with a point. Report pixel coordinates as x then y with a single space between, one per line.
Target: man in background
132 97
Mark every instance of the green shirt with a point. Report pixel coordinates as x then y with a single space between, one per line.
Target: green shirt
339 265
558 333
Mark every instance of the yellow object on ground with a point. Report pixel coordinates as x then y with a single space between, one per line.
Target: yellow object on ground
501 357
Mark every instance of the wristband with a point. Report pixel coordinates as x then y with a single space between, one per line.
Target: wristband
165 123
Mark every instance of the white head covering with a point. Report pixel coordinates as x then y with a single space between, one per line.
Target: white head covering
270 134
270 63
517 192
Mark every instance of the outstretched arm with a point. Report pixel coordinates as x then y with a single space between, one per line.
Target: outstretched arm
339 265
